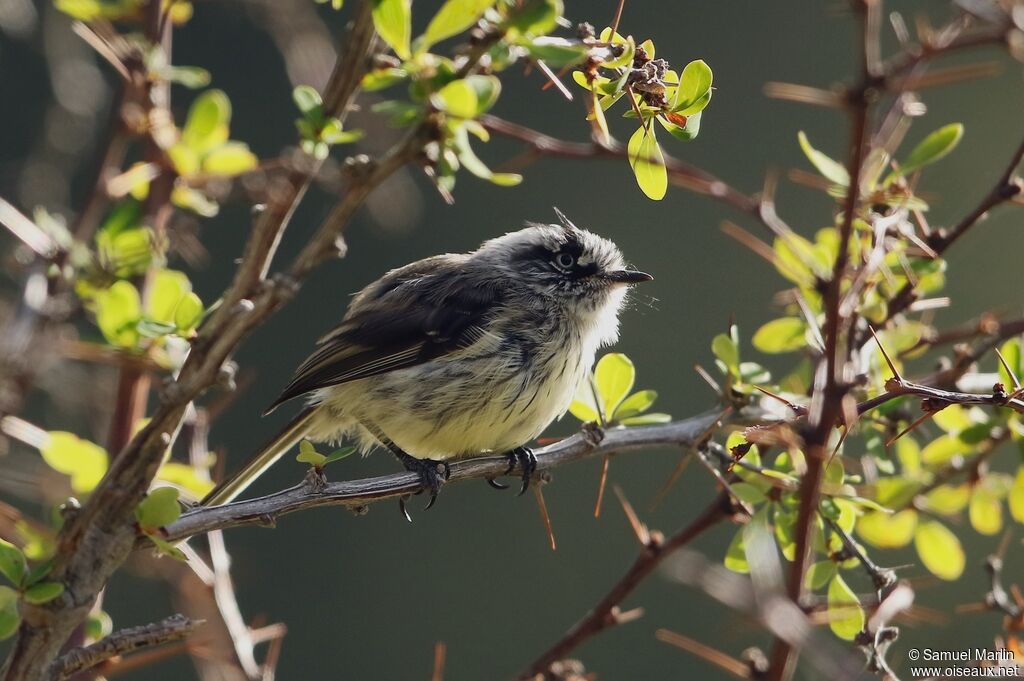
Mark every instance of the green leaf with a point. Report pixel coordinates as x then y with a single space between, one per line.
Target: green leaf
166 290
84 461
457 98
534 17
942 449
10 619
736 554
43 592
985 510
207 124
159 509
819 574
940 550
583 406
230 159
309 102
744 491
487 89
726 350
614 376
635 404
948 499
12 563
455 16
832 170
933 147
166 548
338 455
845 614
1016 496
308 454
393 21
646 419
118 309
470 162
557 52
694 91
785 334
38 571
98 625
192 77
887 531
185 477
648 162
188 313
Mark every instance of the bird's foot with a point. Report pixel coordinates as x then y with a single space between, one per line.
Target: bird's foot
526 460
432 474
592 433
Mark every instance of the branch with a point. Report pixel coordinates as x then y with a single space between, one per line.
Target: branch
76 660
314 492
606 613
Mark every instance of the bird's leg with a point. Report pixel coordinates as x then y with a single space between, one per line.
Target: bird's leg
432 473
525 459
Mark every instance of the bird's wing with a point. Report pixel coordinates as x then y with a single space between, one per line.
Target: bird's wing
411 316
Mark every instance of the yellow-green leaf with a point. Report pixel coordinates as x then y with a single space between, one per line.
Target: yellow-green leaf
457 98
393 21
694 91
646 419
1016 496
43 592
948 499
845 614
736 554
785 334
308 454
118 309
831 169
84 461
159 509
12 562
942 449
207 124
985 511
614 376
940 550
189 313
636 403
9 617
454 17
819 574
648 162
167 289
933 147
230 159
583 405
185 477
887 531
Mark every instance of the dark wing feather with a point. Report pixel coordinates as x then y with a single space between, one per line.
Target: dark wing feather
410 316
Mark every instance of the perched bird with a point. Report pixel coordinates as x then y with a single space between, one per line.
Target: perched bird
459 354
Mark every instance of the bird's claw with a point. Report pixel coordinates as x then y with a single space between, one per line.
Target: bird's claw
495 484
525 459
593 433
432 475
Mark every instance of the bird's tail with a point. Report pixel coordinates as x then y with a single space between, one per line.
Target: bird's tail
237 482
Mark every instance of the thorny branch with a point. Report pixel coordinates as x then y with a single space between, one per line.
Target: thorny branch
358 494
76 660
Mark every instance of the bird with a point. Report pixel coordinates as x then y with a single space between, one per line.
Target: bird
459 355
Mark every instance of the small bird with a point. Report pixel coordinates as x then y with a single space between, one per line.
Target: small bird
459 355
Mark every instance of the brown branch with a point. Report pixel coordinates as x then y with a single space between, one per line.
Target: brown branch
831 383
76 660
680 173
99 538
315 492
606 613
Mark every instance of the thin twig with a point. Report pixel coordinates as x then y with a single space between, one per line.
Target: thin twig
265 510
77 660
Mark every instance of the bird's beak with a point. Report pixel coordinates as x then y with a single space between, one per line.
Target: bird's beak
627 277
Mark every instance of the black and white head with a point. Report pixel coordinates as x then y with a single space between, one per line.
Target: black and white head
564 262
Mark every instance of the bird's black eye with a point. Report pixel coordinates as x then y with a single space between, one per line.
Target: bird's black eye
565 260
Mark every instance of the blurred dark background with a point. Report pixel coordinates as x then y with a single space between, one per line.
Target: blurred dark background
369 597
